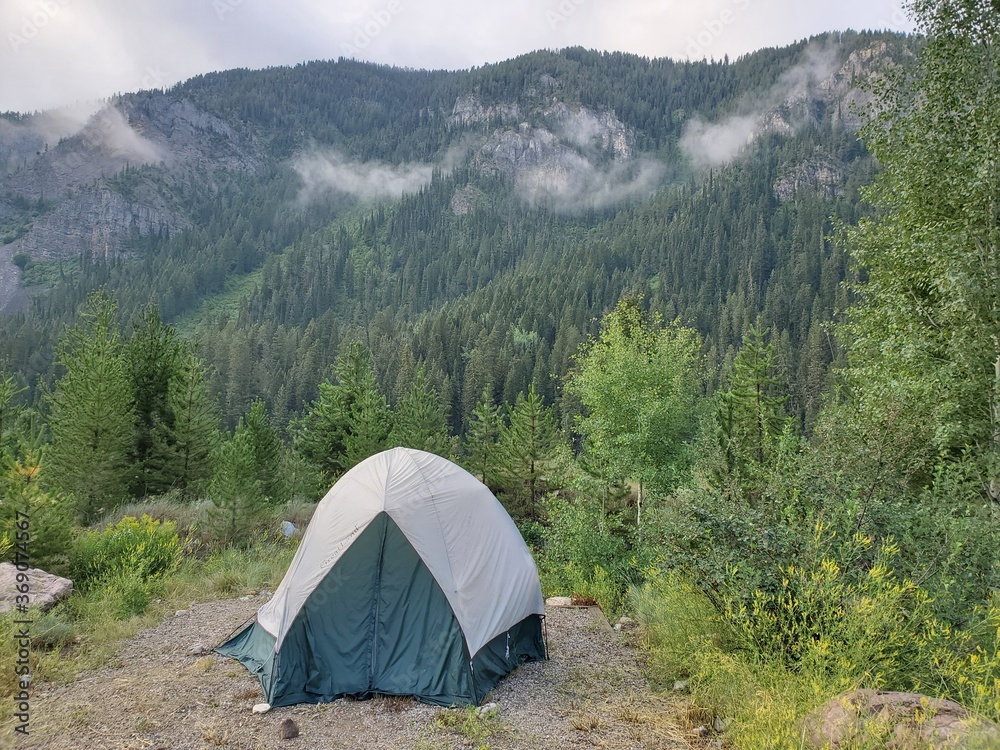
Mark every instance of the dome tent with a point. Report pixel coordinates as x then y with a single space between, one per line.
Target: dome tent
411 579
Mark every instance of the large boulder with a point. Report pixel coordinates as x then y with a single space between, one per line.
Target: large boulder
44 589
903 720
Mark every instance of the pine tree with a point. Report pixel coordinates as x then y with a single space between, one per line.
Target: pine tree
349 421
751 417
367 427
235 489
182 450
481 449
154 354
267 452
419 420
527 441
8 413
92 412
50 513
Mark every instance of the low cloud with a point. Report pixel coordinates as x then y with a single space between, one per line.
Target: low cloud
324 171
583 129
578 185
780 109
110 132
709 144
330 171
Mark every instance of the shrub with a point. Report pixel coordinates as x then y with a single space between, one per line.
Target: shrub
127 594
53 630
842 618
144 548
677 622
588 553
966 663
49 515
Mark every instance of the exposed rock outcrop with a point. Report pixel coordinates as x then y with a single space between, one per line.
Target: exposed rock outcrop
819 174
91 212
44 589
902 720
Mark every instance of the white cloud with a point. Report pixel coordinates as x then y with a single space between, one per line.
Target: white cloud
330 171
326 170
579 185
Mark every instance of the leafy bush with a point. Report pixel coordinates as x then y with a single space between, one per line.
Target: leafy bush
828 628
966 663
588 553
141 548
864 630
127 594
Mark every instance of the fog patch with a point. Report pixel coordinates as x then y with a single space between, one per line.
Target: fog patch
575 184
325 171
782 109
110 132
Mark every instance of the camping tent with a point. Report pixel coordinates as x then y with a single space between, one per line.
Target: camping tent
411 579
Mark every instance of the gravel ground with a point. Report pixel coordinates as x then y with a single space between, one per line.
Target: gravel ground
155 696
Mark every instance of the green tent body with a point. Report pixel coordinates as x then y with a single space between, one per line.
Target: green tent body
410 580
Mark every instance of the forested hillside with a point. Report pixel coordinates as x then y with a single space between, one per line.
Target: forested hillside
534 194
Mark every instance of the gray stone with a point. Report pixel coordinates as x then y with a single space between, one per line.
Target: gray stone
719 724
44 589
560 601
180 613
904 719
199 649
289 729
487 708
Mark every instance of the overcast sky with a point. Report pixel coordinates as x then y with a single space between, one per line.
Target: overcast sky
57 52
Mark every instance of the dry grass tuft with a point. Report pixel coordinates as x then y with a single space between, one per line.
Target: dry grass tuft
214 735
248 694
392 704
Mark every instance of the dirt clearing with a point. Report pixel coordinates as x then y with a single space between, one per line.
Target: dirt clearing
155 695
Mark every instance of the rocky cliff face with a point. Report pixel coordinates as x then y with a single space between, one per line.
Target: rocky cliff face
87 210
820 174
571 157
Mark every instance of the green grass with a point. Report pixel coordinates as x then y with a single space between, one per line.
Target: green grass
227 302
48 273
476 727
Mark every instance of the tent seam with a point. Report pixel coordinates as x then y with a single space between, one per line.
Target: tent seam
440 527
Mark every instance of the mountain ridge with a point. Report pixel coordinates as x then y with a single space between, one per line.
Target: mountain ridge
699 185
